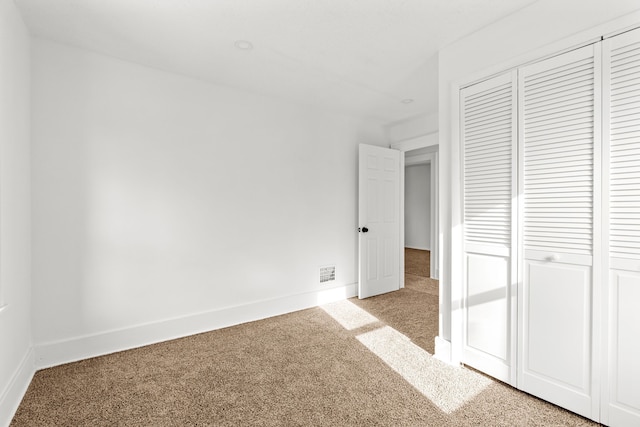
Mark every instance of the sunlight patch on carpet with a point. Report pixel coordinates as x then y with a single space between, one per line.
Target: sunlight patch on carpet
446 386
349 315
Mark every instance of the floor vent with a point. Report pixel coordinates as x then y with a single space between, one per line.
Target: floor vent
328 274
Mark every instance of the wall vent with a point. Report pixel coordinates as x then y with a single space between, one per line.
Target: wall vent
328 274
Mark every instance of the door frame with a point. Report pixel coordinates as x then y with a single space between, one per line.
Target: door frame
423 141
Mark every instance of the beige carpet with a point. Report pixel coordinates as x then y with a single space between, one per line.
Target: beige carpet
350 363
417 262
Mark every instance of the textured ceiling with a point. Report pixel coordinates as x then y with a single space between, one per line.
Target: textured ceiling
359 57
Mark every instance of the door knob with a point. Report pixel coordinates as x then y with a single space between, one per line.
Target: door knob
364 229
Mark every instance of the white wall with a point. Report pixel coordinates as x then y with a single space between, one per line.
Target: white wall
160 197
412 128
545 27
16 361
417 206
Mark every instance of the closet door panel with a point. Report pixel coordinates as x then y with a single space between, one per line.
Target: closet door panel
559 319
487 306
488 145
624 372
558 136
621 105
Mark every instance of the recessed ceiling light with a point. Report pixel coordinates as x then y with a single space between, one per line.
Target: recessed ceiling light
243 44
407 101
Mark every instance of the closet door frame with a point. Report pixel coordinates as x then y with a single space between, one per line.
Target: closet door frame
452 267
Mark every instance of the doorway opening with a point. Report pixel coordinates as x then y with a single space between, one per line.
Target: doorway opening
420 237
419 204
417 271
413 310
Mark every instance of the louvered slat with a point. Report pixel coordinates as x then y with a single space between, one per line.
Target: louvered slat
558 132
487 127
624 153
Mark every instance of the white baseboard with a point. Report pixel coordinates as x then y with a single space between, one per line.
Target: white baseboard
71 350
443 350
17 387
420 248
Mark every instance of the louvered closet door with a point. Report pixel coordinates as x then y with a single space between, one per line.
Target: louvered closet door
621 100
559 137
489 141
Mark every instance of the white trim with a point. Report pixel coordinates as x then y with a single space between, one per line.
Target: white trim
435 203
456 263
422 141
576 41
528 59
14 392
3 307
443 351
418 160
83 347
417 248
401 230
626 24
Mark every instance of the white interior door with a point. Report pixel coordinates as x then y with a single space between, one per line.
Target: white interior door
488 131
560 146
379 220
621 100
